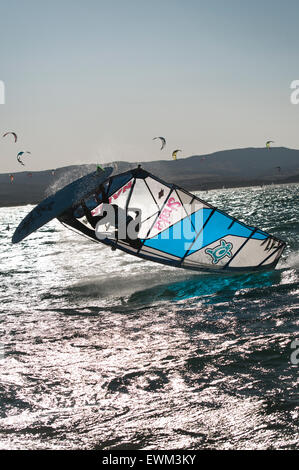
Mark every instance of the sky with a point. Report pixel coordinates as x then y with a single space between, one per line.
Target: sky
94 81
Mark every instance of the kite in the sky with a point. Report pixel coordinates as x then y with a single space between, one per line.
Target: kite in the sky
174 153
20 155
268 144
278 168
12 133
163 141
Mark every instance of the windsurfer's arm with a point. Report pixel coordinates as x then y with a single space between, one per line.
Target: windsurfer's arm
102 196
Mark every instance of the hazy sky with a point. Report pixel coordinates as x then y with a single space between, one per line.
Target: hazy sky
95 81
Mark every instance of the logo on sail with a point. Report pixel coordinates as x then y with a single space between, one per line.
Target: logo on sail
220 251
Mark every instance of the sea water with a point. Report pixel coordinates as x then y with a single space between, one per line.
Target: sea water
102 350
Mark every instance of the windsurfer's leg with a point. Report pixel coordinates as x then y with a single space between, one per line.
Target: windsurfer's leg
87 214
101 195
92 220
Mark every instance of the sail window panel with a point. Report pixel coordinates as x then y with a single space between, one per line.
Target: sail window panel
159 191
142 200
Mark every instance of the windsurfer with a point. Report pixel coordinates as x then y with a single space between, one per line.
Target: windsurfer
126 228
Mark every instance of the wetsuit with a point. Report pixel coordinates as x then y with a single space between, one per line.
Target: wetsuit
121 218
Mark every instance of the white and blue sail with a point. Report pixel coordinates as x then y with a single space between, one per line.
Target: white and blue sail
176 227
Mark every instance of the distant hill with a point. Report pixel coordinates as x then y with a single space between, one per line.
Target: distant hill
229 168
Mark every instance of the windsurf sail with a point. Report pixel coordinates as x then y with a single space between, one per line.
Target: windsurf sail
175 227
